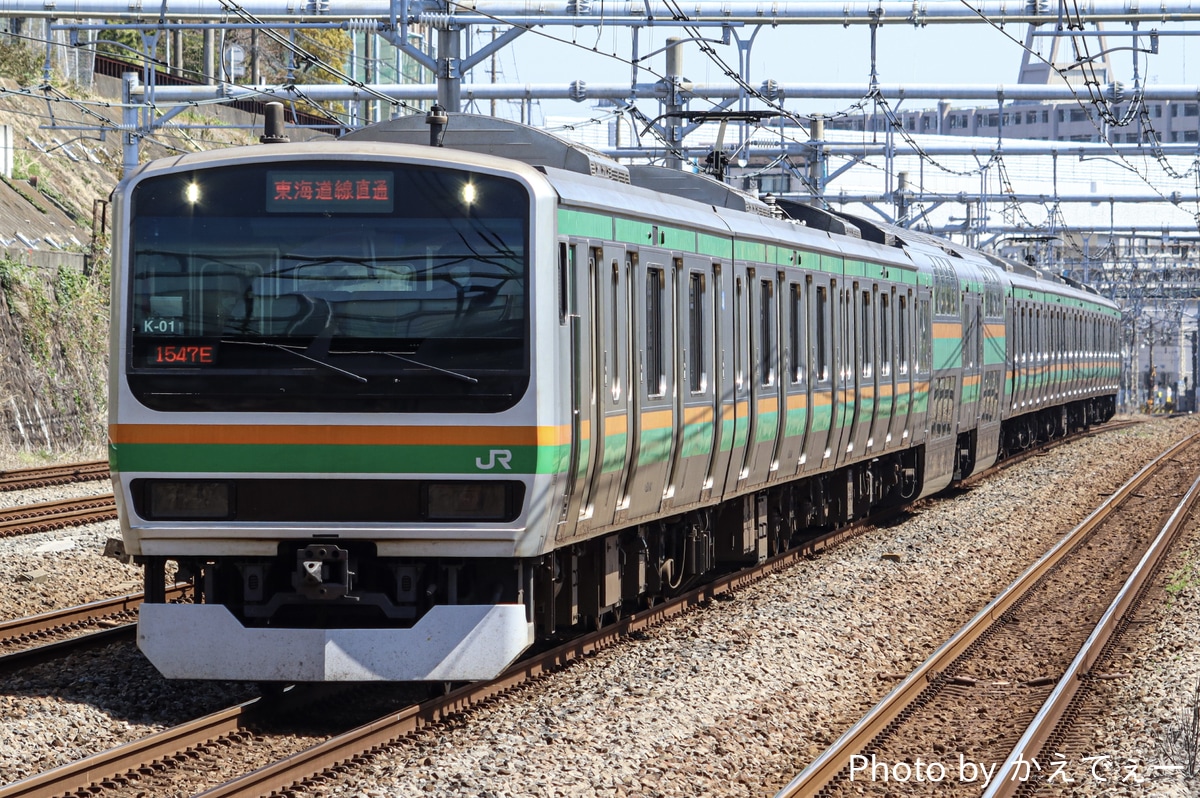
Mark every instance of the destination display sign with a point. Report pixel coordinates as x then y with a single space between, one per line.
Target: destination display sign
329 191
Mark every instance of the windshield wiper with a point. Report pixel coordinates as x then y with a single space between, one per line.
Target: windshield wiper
318 349
293 351
455 374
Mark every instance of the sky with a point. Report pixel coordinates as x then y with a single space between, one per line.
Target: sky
938 54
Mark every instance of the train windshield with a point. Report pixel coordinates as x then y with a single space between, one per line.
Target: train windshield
347 285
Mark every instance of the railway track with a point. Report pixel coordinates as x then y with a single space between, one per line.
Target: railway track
987 703
148 763
36 638
47 516
25 478
29 519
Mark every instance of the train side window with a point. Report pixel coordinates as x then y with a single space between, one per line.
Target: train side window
697 371
1040 333
821 354
924 359
655 372
566 258
1022 337
976 336
902 334
796 334
766 337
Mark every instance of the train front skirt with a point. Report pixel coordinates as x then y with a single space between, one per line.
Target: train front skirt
449 643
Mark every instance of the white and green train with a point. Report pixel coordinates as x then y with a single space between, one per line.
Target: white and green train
399 410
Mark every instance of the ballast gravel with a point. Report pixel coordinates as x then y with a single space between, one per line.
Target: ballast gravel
730 700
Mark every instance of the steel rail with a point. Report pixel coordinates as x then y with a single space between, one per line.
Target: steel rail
106 765
75 617
44 516
1006 783
22 478
826 767
27 657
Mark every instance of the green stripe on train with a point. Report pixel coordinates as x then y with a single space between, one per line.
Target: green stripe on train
339 459
655 446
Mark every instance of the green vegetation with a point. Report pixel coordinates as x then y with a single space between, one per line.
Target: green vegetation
19 62
61 323
24 166
1184 577
311 58
1181 744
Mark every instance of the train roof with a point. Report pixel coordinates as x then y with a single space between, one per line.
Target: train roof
499 137
508 139
511 140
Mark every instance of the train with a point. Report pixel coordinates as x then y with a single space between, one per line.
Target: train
399 406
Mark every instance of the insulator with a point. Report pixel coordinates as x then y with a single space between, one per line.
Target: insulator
363 25
579 7
578 91
434 20
770 89
1038 7
1115 91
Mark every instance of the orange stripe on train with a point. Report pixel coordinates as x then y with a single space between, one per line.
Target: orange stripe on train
338 435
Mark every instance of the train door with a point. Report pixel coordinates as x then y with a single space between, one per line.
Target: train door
885 372
848 360
611 358
864 326
898 429
941 449
1008 389
818 444
1041 361
651 394
724 392
1049 345
1032 369
736 412
695 395
1075 347
972 361
793 341
579 318
922 368
763 372
1020 371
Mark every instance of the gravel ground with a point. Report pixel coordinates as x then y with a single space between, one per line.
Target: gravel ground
737 699
732 700
64 564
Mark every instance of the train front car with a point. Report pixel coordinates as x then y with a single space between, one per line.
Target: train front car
323 410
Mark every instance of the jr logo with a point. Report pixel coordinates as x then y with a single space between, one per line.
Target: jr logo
501 456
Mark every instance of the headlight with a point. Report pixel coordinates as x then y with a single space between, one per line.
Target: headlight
481 501
191 500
